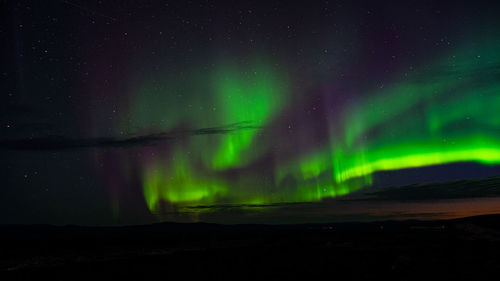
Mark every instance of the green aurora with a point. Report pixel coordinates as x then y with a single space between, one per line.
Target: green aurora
446 113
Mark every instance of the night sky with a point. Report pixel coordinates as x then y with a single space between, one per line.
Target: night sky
130 112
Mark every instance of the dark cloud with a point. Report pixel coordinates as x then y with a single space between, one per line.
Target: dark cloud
236 206
60 142
247 125
31 126
18 109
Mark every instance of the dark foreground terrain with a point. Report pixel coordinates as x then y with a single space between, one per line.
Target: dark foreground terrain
461 249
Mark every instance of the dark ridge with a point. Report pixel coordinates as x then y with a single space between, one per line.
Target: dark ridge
392 250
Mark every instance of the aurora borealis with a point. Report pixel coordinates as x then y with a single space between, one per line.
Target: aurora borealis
171 112
423 125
